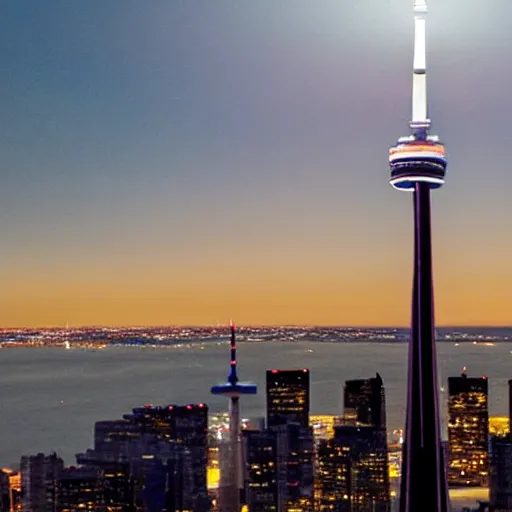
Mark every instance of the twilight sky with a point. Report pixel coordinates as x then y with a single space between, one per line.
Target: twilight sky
184 162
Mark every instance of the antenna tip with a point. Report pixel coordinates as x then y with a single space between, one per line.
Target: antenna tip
420 5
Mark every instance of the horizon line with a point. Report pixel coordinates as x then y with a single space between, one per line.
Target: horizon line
250 325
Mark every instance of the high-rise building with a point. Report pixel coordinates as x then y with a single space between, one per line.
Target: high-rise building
5 498
260 476
287 397
418 165
80 489
280 468
10 490
352 471
510 406
231 478
468 430
187 426
164 448
295 467
500 474
39 474
364 402
332 478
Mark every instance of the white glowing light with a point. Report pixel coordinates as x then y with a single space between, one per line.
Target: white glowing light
414 179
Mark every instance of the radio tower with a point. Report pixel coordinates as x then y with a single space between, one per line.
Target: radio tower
418 164
233 389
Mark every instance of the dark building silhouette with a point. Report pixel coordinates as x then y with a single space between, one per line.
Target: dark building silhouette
352 471
418 165
364 402
500 468
510 406
5 498
260 455
10 490
500 474
288 397
468 430
39 474
162 448
186 426
279 468
80 489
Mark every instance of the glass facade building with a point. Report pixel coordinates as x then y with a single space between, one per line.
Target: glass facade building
288 397
468 431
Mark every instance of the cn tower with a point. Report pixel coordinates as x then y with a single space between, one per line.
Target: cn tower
233 389
418 164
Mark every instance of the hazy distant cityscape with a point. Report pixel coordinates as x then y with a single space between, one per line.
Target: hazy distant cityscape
172 335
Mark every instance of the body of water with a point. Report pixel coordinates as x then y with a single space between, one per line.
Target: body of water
51 397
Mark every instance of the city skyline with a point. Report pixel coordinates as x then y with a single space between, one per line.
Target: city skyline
180 165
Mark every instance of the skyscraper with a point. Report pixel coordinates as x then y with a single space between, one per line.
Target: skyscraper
418 164
295 467
332 479
510 405
500 468
232 482
39 474
260 476
166 450
468 430
80 489
287 397
364 401
10 490
500 474
279 471
353 471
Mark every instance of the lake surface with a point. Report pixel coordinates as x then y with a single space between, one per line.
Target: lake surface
51 397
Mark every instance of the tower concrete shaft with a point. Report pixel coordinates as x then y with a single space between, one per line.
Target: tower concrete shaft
423 485
235 455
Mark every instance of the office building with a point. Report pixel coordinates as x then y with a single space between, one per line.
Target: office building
510 406
260 475
364 402
332 478
288 397
39 474
500 474
500 466
10 490
468 430
280 468
5 498
80 489
164 448
352 471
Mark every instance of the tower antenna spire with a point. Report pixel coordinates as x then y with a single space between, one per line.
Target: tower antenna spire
232 377
420 123
231 478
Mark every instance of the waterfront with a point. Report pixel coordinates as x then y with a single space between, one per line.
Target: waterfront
51 397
